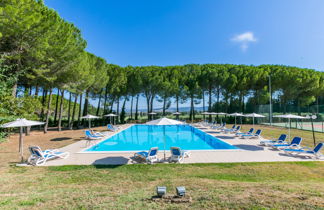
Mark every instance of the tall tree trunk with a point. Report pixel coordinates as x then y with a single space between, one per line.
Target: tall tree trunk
14 90
56 105
30 90
177 99
298 107
117 109
48 110
151 103
164 103
73 112
151 106
136 108
98 108
131 109
118 99
86 103
26 92
112 104
36 90
80 110
242 102
210 102
148 106
69 109
217 101
218 96
230 103
61 111
43 104
122 117
191 109
203 98
317 106
105 101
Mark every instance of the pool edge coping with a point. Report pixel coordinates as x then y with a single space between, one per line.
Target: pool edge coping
134 151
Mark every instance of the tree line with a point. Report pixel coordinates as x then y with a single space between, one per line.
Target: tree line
41 52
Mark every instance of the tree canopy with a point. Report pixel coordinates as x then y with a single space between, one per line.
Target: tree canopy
41 53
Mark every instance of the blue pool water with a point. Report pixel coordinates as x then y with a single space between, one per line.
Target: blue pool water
143 137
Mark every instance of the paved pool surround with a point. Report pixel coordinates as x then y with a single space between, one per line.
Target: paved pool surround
249 151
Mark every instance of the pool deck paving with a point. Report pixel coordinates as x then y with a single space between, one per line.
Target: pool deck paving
249 151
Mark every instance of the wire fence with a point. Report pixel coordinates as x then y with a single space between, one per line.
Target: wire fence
302 124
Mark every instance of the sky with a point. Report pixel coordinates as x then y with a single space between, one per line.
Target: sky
176 32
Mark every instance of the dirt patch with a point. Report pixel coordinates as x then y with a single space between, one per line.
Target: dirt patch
51 140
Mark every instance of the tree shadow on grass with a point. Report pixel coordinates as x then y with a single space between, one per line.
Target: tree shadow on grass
61 139
249 147
110 161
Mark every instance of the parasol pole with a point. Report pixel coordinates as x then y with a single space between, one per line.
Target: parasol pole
313 117
21 144
164 141
289 121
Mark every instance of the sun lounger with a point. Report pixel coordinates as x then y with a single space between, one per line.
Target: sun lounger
295 144
233 129
221 126
178 155
97 133
110 127
257 134
89 135
39 157
246 133
306 151
282 139
149 157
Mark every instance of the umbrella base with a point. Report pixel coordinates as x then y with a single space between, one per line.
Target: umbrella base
23 164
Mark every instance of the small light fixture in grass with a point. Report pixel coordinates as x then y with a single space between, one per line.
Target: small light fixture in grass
161 191
181 191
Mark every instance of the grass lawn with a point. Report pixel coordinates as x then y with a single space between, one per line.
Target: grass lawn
294 185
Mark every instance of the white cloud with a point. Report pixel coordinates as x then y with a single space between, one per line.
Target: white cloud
244 39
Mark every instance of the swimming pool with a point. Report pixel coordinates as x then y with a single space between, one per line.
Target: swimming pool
143 137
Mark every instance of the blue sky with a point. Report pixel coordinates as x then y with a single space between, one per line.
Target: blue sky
172 32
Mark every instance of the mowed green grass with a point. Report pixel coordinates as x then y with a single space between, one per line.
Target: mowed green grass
294 185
